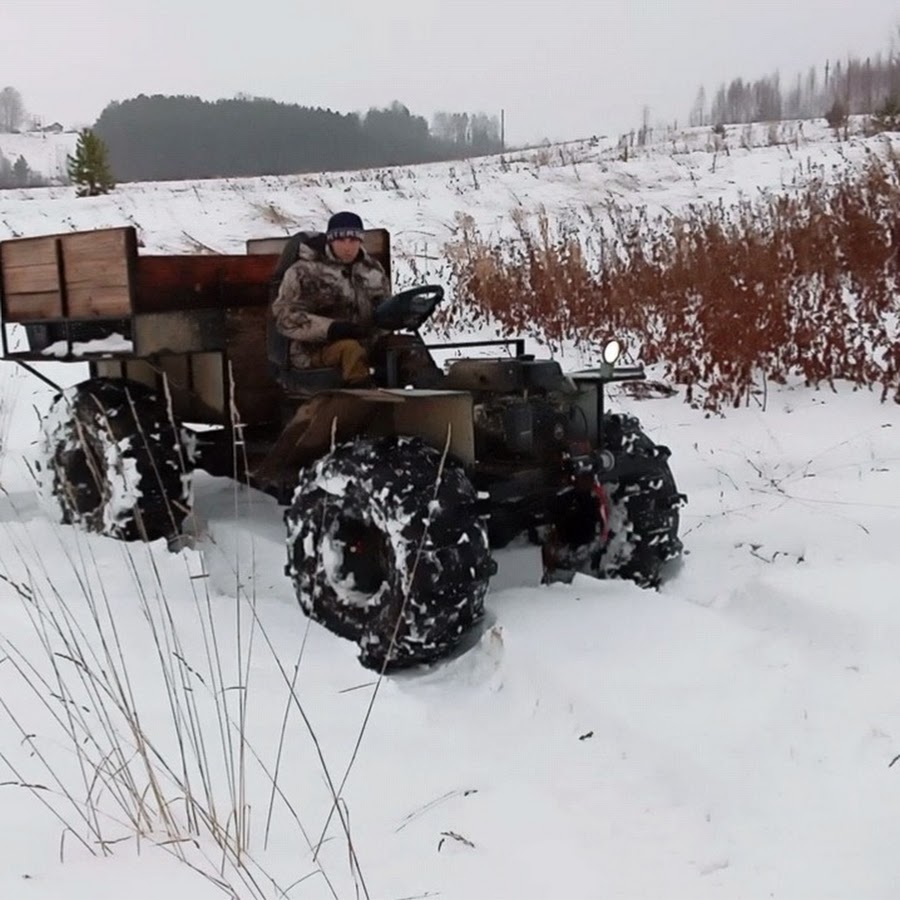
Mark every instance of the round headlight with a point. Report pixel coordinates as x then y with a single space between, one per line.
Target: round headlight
611 352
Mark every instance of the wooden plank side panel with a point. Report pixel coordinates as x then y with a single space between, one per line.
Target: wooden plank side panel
30 279
28 307
87 270
37 279
27 252
167 283
97 256
91 301
98 267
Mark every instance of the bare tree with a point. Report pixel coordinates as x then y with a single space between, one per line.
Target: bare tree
452 127
698 113
644 132
12 110
894 66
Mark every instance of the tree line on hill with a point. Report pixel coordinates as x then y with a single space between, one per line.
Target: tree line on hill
183 137
156 138
844 87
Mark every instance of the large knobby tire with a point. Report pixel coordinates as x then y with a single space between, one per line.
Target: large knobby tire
641 533
387 546
644 505
114 462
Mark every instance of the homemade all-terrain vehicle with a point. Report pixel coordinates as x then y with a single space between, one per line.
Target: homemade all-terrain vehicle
396 495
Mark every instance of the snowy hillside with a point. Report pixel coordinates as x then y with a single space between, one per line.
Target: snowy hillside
46 154
730 735
578 182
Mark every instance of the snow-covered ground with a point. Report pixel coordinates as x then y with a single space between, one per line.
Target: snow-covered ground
728 736
46 154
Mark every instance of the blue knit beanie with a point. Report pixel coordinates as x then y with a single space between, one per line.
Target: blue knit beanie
344 225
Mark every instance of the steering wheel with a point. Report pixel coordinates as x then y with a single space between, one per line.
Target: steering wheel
409 309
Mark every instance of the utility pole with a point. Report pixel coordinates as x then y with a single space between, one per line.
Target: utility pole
502 130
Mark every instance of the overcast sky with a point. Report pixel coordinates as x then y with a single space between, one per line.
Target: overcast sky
559 69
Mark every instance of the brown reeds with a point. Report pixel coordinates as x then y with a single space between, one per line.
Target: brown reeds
801 284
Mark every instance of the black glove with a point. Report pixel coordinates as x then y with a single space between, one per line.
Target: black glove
343 331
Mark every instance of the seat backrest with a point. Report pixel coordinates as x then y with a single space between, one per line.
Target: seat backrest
278 348
377 242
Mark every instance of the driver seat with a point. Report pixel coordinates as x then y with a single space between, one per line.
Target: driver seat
377 243
293 380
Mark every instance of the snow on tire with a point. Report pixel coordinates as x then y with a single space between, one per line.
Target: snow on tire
644 505
388 548
113 462
643 513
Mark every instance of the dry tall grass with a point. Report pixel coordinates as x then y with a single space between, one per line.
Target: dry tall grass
135 727
797 284
108 764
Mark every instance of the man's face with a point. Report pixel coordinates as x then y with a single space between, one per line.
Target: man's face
346 249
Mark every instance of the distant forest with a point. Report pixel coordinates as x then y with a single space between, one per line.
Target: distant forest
849 87
164 138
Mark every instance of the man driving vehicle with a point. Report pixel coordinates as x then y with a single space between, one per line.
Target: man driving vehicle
326 300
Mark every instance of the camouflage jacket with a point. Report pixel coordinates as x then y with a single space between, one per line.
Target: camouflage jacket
318 289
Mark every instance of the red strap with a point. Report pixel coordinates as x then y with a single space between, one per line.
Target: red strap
603 504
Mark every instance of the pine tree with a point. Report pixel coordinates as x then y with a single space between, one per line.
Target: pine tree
89 167
21 172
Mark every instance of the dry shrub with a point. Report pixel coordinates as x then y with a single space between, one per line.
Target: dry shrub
273 214
804 284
